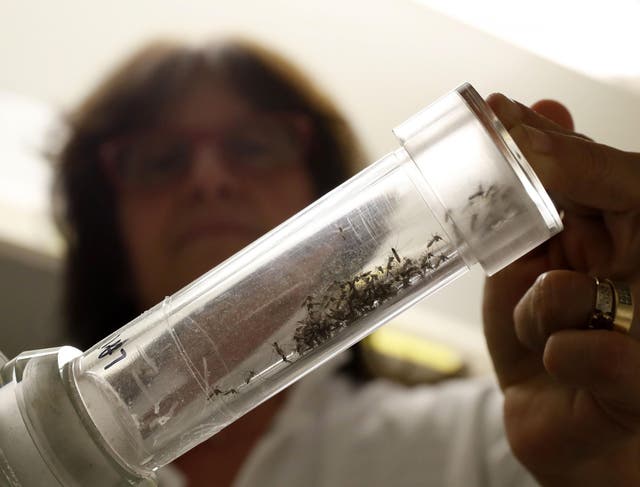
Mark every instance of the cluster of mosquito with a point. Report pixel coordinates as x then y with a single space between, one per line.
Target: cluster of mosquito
346 301
490 208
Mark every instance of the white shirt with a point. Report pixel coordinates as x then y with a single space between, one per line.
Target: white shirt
333 432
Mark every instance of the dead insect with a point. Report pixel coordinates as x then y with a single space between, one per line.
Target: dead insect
426 259
481 193
491 190
250 376
308 302
216 392
390 263
434 239
230 391
341 230
280 352
426 264
477 194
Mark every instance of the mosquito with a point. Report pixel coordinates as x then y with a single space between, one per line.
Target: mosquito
434 239
280 352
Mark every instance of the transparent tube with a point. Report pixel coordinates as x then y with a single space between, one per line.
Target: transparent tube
394 233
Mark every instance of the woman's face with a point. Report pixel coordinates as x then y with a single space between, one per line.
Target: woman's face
241 177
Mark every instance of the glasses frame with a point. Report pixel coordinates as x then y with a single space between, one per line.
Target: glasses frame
299 125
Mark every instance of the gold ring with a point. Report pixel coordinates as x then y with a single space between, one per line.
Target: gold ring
613 309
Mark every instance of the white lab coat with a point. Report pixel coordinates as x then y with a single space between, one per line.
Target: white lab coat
334 433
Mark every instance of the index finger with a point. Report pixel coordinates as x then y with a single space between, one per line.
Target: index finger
512 113
580 170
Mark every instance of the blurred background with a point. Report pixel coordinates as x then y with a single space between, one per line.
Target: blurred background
381 61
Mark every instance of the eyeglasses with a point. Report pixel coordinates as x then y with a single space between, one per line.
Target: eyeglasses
155 159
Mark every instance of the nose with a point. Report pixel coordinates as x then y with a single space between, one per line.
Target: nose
210 173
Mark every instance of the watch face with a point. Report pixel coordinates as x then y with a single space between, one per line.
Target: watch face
604 298
602 317
624 296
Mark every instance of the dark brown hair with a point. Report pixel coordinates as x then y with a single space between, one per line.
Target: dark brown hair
99 296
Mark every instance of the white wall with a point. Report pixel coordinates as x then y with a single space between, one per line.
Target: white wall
381 60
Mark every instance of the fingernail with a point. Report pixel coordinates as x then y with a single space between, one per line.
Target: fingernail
513 110
538 140
506 109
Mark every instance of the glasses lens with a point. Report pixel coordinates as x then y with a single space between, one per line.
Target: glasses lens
152 161
158 158
261 145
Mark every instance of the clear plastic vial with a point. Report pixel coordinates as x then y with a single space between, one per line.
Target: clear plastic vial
457 192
